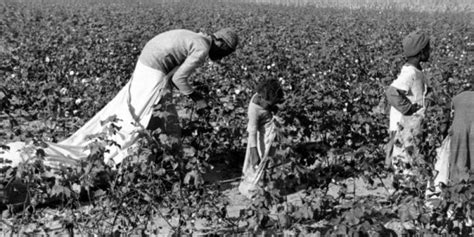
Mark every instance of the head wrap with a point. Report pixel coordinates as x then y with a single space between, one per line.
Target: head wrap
414 43
229 36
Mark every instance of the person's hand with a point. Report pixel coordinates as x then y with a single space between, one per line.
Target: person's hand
266 117
413 109
416 107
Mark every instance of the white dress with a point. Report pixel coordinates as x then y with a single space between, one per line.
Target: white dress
265 129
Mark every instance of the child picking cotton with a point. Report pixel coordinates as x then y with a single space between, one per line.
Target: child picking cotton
262 130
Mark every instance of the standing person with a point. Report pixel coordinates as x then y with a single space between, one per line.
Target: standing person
166 61
406 94
455 157
262 131
461 158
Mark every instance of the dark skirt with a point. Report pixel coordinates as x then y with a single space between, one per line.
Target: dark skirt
462 142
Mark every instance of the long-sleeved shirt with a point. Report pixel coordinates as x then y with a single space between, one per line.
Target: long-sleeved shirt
177 48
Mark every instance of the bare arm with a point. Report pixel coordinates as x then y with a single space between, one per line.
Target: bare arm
193 61
398 99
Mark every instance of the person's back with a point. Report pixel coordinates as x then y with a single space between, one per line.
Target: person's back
133 106
464 107
171 48
462 136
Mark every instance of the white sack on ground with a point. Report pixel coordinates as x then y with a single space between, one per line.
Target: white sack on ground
441 168
134 103
442 162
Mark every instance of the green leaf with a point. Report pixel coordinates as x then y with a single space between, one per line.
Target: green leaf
57 190
48 174
161 172
99 193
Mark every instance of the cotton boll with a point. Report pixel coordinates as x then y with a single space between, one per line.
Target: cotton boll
63 91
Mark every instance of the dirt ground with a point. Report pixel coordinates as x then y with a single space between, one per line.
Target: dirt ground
238 202
229 177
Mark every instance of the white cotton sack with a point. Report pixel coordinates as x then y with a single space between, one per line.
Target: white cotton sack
442 162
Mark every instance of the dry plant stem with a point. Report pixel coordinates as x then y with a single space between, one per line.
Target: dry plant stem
383 184
229 180
354 184
190 118
181 197
156 209
78 226
101 220
225 218
119 210
28 198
